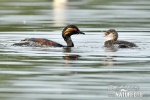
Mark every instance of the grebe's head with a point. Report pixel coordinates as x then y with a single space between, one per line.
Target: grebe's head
70 30
111 34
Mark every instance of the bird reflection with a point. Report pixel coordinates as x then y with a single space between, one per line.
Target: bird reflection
109 61
70 56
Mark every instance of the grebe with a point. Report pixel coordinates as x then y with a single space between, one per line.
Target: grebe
113 36
66 34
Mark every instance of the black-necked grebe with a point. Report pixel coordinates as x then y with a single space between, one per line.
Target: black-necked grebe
113 36
66 34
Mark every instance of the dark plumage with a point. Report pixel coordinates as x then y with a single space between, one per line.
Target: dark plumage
66 34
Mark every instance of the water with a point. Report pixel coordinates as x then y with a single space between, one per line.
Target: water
85 72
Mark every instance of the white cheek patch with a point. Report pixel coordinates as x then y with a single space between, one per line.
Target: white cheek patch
110 37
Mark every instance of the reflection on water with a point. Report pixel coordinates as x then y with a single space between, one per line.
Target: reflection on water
69 56
109 61
87 71
60 14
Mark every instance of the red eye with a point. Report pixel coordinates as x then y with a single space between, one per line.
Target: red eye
75 29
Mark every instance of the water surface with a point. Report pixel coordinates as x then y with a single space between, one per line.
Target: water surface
84 72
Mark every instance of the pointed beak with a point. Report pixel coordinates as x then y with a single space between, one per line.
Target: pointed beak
105 34
79 32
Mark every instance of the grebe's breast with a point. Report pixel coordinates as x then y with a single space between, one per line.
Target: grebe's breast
38 42
109 43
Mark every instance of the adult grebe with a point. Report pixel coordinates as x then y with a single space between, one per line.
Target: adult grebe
66 34
113 36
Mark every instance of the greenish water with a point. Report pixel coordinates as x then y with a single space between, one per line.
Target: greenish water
87 71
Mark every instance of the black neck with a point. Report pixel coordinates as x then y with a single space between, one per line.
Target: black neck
69 42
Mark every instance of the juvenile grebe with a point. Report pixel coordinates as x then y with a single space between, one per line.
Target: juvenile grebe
66 34
113 36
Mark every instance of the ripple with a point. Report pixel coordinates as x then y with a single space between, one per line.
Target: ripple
83 72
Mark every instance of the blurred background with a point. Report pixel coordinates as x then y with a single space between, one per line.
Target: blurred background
42 15
87 71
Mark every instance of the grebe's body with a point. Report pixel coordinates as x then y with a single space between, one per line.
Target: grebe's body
66 34
38 42
112 41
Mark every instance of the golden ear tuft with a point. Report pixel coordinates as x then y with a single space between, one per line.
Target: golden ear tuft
68 30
